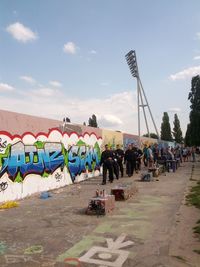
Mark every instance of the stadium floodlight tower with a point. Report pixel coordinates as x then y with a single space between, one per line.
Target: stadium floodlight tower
141 103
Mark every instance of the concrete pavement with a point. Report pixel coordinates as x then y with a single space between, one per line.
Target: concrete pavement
139 232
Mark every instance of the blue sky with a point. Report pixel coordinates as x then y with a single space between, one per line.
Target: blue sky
67 58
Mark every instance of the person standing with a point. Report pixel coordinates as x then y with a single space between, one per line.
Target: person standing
149 157
130 160
120 157
138 154
155 151
115 164
145 160
107 163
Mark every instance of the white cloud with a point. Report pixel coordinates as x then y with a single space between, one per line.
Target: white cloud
94 52
104 83
110 120
21 33
117 112
4 87
44 92
174 110
198 35
28 79
184 74
55 83
196 57
70 48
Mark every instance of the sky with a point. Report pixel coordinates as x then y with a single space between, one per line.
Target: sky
66 58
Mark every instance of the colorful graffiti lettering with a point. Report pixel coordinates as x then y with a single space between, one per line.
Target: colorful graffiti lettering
27 159
82 158
43 158
3 144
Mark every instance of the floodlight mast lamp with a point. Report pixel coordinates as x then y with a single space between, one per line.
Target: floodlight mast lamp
132 63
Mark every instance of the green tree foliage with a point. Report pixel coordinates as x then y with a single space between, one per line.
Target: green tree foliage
93 121
194 97
166 128
152 135
177 133
187 136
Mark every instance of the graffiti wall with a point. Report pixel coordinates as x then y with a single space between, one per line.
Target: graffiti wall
33 162
130 139
112 138
30 164
148 141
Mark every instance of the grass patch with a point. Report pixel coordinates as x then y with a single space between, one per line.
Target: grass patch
197 251
179 258
197 229
193 198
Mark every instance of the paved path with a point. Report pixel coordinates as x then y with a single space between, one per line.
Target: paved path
142 231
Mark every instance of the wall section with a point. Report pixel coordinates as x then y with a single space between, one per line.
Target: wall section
34 163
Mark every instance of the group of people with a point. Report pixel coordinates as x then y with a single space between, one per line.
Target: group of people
154 153
112 161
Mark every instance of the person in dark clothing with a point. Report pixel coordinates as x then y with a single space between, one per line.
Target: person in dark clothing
138 154
155 151
145 155
130 160
120 156
107 162
115 164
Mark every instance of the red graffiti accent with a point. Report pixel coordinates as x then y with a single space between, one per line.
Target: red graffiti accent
47 134
73 260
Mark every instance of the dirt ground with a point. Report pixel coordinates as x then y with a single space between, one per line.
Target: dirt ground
153 228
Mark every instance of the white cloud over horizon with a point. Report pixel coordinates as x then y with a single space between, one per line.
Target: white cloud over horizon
44 92
28 79
110 120
198 35
55 83
186 73
196 57
94 52
4 87
21 33
70 48
175 109
117 112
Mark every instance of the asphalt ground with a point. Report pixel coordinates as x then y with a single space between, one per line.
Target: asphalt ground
141 231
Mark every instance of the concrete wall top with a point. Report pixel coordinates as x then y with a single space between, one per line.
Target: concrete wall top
17 123
80 129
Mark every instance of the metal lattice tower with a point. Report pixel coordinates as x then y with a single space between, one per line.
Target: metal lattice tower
142 101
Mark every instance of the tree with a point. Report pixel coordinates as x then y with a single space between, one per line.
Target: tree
66 119
187 136
177 133
166 128
84 123
194 127
93 121
152 135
